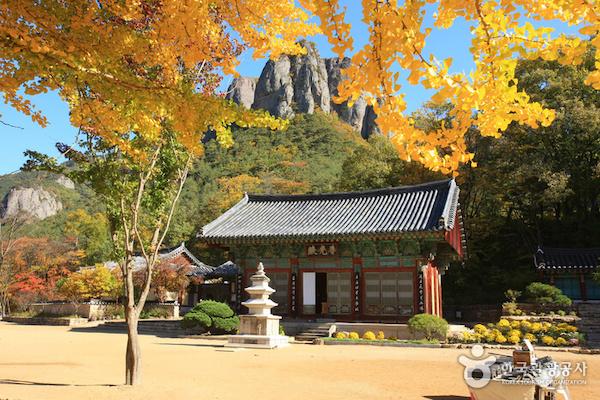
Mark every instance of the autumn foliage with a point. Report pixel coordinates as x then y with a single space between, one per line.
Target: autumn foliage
33 267
140 66
89 283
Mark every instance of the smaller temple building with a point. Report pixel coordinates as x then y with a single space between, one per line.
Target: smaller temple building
570 270
376 255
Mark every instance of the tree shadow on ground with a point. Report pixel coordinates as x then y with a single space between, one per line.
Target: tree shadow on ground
216 346
100 329
33 383
447 398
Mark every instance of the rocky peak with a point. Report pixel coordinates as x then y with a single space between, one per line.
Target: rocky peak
242 90
302 84
33 202
65 182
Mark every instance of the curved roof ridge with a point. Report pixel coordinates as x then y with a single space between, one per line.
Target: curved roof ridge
344 195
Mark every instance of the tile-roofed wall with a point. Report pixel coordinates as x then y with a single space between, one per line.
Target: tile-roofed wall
550 258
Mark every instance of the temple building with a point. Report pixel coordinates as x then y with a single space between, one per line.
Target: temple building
570 270
375 255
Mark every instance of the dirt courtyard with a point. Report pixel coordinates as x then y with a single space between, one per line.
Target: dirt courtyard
42 362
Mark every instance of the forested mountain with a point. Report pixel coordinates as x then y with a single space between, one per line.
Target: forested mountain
531 187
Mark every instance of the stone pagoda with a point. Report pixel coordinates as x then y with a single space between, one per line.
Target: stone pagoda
259 328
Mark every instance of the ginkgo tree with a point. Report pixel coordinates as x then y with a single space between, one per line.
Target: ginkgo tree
132 70
487 98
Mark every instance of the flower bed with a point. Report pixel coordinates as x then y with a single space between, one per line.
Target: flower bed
514 332
370 337
381 342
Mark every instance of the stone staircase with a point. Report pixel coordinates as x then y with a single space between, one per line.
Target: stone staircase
589 324
157 327
311 331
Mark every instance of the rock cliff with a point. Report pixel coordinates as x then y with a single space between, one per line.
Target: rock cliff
34 202
65 182
302 84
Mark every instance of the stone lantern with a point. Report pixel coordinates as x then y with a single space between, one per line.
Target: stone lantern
259 328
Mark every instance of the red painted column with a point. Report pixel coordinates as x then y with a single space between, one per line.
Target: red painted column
428 288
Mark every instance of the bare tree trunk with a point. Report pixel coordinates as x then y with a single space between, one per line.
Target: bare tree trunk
150 253
133 354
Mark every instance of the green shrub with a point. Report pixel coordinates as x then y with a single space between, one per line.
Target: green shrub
225 325
214 309
562 301
114 311
281 330
193 320
543 294
511 308
154 312
211 316
430 326
512 295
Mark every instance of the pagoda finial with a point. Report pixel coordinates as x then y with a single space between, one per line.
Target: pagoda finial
261 269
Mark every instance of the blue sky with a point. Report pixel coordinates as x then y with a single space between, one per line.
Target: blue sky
453 42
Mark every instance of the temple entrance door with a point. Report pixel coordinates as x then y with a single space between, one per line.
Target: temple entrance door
321 293
308 293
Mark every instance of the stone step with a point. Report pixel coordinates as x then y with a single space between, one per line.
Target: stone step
318 330
306 338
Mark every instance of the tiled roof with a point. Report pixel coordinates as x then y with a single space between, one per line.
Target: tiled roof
425 207
139 262
549 258
227 269
182 249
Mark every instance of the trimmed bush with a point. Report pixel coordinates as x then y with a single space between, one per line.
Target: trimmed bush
225 325
193 320
368 335
214 309
541 293
353 335
430 326
211 316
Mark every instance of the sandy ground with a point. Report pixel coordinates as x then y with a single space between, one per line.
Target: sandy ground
39 362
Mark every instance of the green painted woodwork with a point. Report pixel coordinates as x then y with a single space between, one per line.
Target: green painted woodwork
369 262
346 262
367 248
388 261
387 247
409 247
347 249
